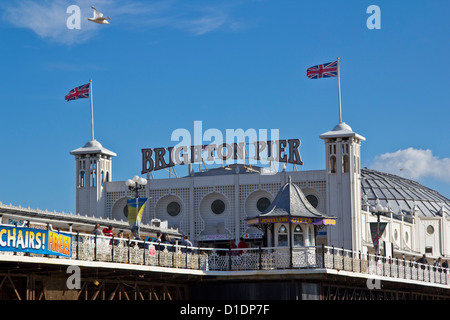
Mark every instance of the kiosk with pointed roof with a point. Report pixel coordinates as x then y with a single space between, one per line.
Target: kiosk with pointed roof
290 220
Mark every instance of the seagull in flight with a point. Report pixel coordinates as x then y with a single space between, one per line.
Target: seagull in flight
98 17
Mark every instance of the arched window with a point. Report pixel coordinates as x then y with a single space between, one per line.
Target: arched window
93 179
299 240
82 179
345 164
332 164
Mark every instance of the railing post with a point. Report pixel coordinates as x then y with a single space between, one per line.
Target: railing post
78 244
404 268
144 254
159 254
186 252
360 261
398 269
352 261
95 248
173 255
333 257
323 256
129 250
112 248
429 273
229 259
260 257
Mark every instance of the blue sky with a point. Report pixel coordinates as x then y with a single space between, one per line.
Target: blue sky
161 65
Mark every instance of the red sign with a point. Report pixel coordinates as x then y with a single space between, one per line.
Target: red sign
151 250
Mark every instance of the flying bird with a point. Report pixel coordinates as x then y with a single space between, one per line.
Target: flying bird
98 17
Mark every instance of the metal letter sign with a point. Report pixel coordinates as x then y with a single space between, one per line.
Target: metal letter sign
285 151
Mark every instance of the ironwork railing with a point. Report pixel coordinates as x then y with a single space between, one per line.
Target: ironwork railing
89 247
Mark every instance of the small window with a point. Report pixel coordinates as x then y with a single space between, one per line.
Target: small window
218 206
282 236
282 240
298 237
298 240
173 208
262 204
430 230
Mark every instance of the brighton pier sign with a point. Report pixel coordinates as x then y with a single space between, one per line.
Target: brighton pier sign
284 151
243 146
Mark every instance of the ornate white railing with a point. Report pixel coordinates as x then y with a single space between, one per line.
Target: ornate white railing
88 247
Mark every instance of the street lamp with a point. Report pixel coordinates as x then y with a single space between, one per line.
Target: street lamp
135 184
378 210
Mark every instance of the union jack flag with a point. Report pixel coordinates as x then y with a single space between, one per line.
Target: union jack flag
78 92
325 70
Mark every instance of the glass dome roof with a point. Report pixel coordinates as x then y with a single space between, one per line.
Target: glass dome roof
401 195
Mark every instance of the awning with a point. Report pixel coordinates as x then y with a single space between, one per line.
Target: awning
294 220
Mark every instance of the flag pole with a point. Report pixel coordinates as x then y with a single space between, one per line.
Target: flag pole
92 109
339 92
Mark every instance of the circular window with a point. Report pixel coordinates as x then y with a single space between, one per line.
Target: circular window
218 206
406 236
430 229
312 200
262 204
395 234
125 211
173 208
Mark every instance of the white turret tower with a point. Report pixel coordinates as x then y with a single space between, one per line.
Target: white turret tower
93 169
343 167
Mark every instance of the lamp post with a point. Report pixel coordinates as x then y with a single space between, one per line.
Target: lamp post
136 184
378 210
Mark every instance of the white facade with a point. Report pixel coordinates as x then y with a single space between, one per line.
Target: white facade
418 220
93 172
343 174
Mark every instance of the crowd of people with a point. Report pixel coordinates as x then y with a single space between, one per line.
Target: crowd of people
438 264
241 245
162 240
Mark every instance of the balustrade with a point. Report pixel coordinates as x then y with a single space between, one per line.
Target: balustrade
121 250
